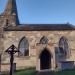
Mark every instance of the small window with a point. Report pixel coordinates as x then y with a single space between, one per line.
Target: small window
63 46
24 47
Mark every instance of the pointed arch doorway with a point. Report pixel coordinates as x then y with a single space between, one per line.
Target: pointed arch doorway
45 60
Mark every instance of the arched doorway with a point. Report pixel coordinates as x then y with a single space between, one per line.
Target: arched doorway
45 60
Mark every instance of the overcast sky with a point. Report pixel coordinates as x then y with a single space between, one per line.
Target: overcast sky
44 11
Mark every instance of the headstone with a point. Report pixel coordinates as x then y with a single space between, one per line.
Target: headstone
67 65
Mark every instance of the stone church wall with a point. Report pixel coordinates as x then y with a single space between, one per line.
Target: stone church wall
14 37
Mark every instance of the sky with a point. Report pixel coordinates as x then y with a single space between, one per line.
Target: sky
44 11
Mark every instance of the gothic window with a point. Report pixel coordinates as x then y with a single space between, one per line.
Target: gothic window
43 40
63 46
24 47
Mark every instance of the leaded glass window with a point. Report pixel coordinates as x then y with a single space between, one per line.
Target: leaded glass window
24 47
63 46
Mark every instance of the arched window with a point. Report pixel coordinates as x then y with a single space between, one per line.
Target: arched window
24 47
43 40
63 46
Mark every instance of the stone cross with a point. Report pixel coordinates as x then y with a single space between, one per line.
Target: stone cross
11 51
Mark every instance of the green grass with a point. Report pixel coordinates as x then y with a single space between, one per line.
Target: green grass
67 72
26 72
31 71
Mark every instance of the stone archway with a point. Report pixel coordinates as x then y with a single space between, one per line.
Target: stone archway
45 60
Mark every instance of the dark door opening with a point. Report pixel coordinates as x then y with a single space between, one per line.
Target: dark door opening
45 60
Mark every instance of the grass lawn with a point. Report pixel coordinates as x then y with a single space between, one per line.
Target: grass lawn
26 72
33 72
67 72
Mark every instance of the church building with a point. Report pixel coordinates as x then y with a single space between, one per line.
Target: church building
42 46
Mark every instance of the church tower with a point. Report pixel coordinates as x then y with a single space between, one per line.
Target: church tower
10 16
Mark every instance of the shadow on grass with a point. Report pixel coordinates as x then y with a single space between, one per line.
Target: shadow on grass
29 71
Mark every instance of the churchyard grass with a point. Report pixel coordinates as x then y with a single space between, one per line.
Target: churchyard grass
66 72
26 72
33 72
